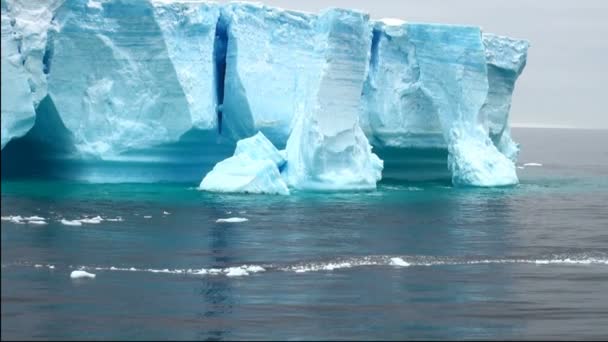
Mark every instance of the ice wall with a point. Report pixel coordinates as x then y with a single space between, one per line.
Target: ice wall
327 149
131 95
25 62
506 59
271 60
129 79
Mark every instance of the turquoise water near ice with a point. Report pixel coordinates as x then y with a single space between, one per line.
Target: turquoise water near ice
408 261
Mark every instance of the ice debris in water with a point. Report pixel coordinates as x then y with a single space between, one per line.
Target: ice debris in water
254 168
71 222
232 220
18 219
81 274
399 262
94 220
533 164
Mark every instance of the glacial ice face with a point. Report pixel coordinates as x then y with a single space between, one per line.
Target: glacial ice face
270 56
395 110
127 76
130 96
18 114
506 59
254 168
453 72
189 32
327 150
25 62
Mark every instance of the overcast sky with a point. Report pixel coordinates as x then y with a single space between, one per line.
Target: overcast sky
565 82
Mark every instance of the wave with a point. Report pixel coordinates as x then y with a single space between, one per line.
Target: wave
391 261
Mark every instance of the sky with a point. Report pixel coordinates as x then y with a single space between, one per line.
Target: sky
565 83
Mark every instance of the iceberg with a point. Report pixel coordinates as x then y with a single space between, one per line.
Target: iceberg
178 82
254 168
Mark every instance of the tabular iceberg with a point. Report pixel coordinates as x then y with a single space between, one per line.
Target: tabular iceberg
123 76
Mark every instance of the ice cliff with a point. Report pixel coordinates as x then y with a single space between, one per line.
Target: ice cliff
136 81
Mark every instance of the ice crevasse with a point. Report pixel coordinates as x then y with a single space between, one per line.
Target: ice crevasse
335 90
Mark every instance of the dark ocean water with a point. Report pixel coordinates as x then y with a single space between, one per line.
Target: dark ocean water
409 261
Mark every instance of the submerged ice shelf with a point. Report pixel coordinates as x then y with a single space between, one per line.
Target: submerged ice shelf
103 90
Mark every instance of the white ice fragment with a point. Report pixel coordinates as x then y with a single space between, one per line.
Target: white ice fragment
166 213
232 220
236 272
37 222
34 218
399 262
52 267
254 168
117 219
71 222
81 274
94 220
533 164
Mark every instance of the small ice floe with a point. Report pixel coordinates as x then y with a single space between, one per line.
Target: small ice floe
243 270
37 222
117 219
232 220
166 213
148 217
533 164
94 220
14 219
71 222
52 267
236 272
399 262
521 167
34 218
81 274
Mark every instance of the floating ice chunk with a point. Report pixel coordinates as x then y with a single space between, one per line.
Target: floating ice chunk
533 164
258 147
71 222
253 169
52 267
34 218
14 219
81 274
232 220
254 268
37 222
236 272
94 220
399 262
117 219
166 213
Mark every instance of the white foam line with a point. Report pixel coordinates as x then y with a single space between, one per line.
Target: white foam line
383 261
